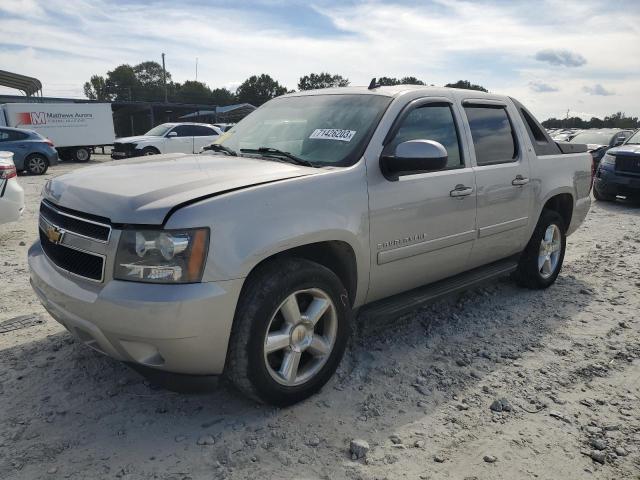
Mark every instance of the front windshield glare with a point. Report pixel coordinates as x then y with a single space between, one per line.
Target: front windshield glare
592 137
635 139
158 131
326 130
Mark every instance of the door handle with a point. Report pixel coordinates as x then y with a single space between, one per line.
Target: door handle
461 191
519 181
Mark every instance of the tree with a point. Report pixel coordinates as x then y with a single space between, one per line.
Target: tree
192 92
390 81
615 120
222 97
96 89
121 83
321 80
467 85
257 90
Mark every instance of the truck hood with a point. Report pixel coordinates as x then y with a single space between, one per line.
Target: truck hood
625 149
138 139
143 190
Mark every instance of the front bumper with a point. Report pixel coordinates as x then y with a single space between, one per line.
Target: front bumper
11 200
610 182
176 328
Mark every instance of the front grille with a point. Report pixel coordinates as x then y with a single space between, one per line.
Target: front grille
73 261
122 147
74 224
628 163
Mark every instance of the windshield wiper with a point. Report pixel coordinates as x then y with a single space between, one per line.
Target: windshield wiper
216 147
274 152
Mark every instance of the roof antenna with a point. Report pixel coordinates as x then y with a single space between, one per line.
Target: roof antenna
373 84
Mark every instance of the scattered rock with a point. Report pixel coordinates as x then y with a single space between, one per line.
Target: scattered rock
438 459
598 443
313 441
490 458
52 470
621 452
395 439
418 444
359 448
206 440
559 416
501 405
597 456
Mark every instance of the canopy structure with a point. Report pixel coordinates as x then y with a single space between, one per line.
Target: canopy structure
29 85
230 113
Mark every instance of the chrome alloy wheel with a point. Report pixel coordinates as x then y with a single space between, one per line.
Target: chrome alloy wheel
300 337
37 165
549 253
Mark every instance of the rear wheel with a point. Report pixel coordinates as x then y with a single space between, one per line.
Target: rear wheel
542 259
290 331
81 154
37 164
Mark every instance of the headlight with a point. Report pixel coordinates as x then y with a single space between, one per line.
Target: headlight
608 159
162 256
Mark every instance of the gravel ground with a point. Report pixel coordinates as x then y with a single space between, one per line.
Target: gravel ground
497 383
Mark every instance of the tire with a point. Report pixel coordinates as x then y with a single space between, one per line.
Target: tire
602 197
36 164
316 351
81 154
150 151
532 271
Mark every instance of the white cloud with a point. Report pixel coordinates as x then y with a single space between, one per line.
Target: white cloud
541 87
492 44
563 58
597 89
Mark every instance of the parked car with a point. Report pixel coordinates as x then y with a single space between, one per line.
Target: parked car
167 138
619 171
250 260
31 151
11 193
75 128
598 141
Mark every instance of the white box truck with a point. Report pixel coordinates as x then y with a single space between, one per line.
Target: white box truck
74 128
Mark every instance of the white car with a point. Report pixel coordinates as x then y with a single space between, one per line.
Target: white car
11 193
167 138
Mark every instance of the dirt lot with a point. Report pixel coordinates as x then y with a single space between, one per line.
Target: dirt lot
563 365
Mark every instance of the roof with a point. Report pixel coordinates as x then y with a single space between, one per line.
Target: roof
244 107
390 91
28 85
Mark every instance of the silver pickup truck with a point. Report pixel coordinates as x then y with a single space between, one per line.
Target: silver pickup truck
250 259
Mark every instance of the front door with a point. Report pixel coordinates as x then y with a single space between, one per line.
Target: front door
502 179
203 136
181 142
422 226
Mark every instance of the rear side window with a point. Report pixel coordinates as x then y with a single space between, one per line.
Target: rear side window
12 135
431 122
541 141
493 137
201 131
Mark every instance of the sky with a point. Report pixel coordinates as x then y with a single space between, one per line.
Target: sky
553 55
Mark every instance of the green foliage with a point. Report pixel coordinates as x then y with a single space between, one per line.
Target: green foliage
314 81
96 89
223 96
467 85
390 81
616 120
257 90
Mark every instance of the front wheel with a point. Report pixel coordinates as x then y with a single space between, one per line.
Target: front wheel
542 259
37 164
290 331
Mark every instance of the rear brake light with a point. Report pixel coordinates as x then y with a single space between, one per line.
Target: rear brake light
49 142
7 171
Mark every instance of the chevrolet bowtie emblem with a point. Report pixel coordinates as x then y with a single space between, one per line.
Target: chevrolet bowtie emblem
54 234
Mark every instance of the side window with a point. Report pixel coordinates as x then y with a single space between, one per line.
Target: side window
541 141
431 122
183 130
201 131
493 136
17 136
4 136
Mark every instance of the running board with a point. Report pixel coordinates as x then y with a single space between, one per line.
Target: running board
402 303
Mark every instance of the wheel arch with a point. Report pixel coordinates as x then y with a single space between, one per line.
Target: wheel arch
562 203
336 255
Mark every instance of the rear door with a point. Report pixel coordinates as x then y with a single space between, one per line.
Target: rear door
16 143
182 142
504 189
203 136
422 226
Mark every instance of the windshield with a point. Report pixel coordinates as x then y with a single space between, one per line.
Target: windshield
599 138
634 140
326 130
159 131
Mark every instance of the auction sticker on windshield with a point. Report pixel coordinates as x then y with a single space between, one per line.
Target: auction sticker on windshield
332 134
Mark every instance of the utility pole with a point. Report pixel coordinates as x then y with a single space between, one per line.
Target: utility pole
164 80
196 69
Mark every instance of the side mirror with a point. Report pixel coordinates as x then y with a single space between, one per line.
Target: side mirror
412 157
172 134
